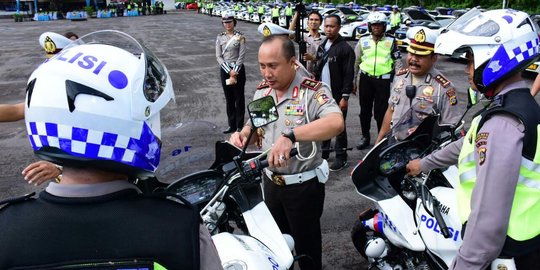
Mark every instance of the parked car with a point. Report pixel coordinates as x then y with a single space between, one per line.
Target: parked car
412 18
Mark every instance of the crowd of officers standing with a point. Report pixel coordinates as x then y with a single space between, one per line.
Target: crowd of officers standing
336 71
142 7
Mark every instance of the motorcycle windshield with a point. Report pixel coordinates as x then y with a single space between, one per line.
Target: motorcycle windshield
185 149
417 125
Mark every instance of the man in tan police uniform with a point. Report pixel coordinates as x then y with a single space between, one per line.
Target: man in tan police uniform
294 186
434 92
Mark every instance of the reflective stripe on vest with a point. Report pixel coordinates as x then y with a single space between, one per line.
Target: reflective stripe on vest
376 57
525 214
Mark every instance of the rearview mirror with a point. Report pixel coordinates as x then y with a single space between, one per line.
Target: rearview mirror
262 111
427 200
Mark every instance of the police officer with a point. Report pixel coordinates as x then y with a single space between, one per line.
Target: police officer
294 186
395 19
230 54
433 92
288 15
260 11
275 14
376 55
498 159
95 194
269 29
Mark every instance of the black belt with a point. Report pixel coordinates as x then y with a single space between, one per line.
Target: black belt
386 76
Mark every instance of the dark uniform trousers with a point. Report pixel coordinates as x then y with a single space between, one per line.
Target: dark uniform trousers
341 141
373 95
234 98
305 200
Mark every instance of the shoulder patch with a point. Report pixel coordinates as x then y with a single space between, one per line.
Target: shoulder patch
402 71
263 85
442 80
311 84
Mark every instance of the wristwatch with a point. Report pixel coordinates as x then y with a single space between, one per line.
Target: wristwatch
289 133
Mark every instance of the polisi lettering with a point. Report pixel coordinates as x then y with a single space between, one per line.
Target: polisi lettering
432 224
275 265
83 61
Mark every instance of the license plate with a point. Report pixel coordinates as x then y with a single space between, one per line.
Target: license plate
532 67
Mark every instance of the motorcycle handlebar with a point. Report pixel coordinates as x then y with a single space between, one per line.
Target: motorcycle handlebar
264 163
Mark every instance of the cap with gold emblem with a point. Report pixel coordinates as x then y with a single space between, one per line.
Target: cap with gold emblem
422 40
227 16
269 29
53 42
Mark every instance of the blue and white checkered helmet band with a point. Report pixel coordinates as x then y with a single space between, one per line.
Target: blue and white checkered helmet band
507 58
142 152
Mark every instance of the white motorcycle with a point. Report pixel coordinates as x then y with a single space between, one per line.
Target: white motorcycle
230 191
414 224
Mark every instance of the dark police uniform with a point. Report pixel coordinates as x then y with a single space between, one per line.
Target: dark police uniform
293 194
102 223
230 54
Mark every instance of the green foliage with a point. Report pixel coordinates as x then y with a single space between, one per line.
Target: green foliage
89 9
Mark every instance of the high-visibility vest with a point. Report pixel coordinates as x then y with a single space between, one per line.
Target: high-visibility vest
261 10
524 223
288 11
376 57
275 12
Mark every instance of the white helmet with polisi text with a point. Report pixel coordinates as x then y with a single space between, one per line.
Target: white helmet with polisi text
97 104
503 42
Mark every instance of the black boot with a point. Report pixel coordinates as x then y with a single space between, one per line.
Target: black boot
363 143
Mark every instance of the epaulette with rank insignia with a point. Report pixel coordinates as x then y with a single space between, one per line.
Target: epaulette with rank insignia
442 80
262 85
237 32
222 33
402 71
311 84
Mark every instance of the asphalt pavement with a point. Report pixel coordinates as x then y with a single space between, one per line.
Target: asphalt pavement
185 43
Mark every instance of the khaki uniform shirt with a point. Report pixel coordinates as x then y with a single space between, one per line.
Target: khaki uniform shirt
231 56
306 100
312 44
433 92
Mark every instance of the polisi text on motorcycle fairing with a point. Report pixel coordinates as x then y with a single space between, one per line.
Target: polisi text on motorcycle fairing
86 62
432 224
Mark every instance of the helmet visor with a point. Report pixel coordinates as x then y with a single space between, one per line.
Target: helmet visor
474 23
155 74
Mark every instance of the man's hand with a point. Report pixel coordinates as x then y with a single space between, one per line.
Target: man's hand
309 57
354 89
233 73
413 167
343 104
279 154
238 139
39 172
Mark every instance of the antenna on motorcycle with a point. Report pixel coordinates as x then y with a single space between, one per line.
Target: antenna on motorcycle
410 91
